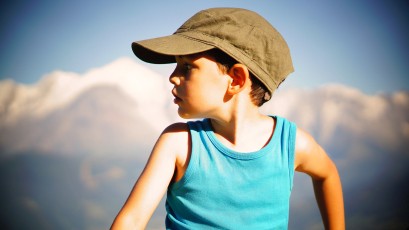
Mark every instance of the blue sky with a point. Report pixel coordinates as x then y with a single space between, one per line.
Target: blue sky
362 44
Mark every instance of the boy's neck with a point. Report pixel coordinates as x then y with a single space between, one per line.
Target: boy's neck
244 130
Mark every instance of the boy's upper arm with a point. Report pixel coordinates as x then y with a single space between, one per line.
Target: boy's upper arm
310 157
157 174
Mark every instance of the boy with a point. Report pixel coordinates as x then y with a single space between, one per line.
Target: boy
234 169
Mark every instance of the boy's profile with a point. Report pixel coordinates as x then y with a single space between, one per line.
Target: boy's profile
233 169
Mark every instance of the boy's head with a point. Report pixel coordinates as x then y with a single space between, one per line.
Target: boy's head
243 35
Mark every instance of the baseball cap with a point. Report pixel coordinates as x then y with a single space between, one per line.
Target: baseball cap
242 34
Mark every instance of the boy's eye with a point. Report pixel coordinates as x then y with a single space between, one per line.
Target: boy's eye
188 67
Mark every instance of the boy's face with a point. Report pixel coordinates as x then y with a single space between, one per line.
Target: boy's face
199 86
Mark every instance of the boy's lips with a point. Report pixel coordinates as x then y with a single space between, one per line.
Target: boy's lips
177 99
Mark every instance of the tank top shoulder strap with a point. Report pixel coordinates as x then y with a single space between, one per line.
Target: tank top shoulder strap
288 137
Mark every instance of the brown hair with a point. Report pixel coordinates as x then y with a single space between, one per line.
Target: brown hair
259 93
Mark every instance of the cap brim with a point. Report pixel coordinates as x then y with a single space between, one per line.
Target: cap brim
163 50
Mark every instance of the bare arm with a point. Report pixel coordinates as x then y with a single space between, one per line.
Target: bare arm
313 160
154 180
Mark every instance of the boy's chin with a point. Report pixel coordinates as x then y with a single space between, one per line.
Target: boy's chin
184 115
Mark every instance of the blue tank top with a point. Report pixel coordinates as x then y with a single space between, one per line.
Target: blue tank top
226 189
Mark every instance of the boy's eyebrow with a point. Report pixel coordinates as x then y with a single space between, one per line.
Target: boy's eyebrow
179 57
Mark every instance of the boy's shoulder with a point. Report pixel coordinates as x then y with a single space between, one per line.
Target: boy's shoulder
175 138
176 128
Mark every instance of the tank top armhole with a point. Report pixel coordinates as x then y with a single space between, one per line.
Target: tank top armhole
291 151
193 128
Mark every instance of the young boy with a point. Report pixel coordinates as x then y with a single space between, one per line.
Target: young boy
234 169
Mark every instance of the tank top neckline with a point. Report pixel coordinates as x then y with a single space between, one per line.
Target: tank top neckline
243 155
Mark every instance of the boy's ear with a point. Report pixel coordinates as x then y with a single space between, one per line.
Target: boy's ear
240 78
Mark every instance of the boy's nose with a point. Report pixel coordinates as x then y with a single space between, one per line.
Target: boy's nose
174 79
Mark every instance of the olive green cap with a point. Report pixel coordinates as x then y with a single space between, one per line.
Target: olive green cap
244 35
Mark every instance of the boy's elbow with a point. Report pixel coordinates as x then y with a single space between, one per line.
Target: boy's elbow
333 170
330 177
329 172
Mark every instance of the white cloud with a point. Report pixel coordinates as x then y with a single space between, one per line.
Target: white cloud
334 110
58 89
115 108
